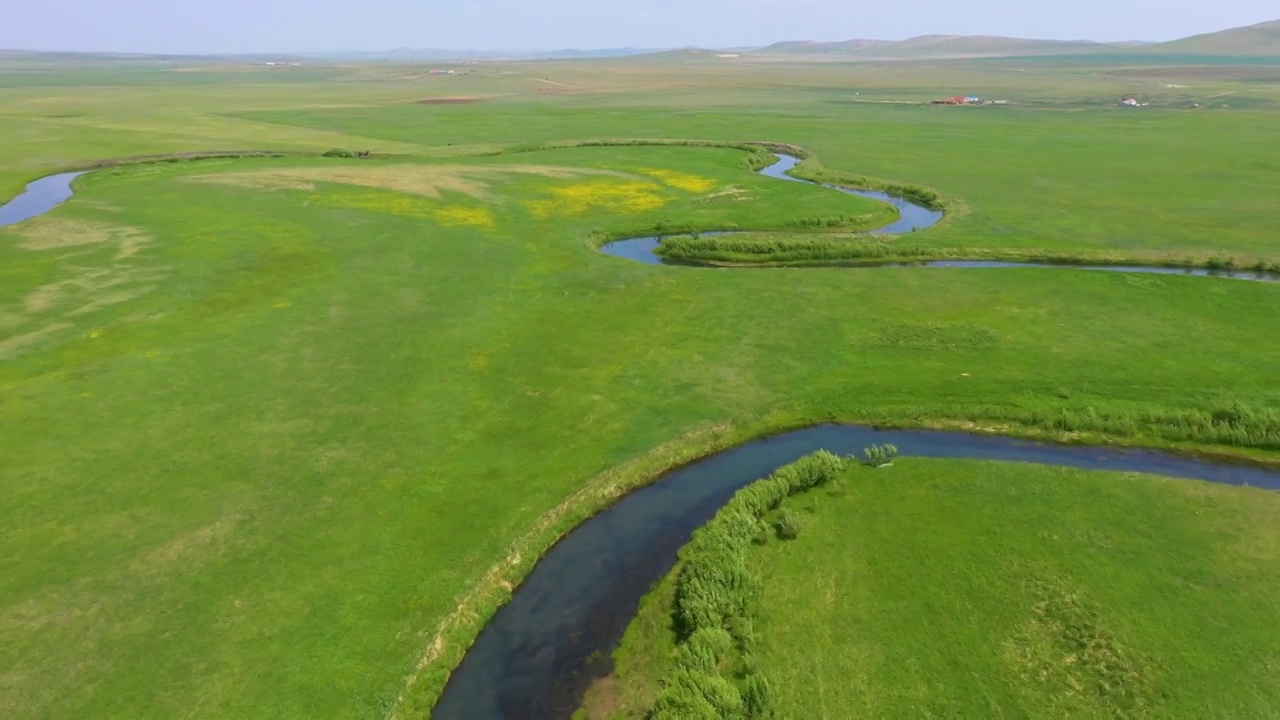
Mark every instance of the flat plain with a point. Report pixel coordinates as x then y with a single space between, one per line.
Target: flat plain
280 433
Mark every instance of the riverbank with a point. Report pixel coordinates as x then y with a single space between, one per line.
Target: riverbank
602 568
984 588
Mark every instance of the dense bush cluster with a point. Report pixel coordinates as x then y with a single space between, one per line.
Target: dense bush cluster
881 455
920 195
1230 423
793 248
829 247
716 596
837 221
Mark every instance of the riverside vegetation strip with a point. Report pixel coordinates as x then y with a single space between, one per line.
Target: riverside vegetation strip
264 444
963 588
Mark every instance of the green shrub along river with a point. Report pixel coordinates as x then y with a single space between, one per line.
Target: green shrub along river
962 588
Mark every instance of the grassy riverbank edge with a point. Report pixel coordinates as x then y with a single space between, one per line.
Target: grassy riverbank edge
841 246
447 646
844 250
651 650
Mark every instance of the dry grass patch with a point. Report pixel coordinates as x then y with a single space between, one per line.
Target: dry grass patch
1067 650
89 288
44 233
254 181
13 345
100 273
430 181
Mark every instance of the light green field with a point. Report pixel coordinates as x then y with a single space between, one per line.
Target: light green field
967 589
279 433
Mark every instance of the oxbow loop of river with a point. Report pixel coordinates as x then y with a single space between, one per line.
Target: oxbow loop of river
47 193
912 217
540 652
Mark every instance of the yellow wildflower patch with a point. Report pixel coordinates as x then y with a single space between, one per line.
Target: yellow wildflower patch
457 215
682 181
578 198
388 203
407 206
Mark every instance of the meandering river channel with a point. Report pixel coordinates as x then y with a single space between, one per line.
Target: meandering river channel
540 652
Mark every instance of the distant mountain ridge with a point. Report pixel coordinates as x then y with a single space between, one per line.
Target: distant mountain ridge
1262 39
937 46
442 55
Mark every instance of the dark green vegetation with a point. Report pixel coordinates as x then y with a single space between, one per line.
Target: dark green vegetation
280 433
967 589
713 674
834 249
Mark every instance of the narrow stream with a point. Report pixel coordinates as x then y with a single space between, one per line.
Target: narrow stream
39 198
911 217
540 652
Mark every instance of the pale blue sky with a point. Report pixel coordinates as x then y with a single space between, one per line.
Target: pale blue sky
183 26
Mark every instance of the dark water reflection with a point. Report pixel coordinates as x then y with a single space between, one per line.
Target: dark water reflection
535 658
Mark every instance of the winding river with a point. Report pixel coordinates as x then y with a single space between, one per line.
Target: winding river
540 652
39 198
912 217
49 192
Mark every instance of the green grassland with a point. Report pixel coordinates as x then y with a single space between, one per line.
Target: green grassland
280 433
965 589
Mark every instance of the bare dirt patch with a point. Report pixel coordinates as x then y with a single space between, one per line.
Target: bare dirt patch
602 698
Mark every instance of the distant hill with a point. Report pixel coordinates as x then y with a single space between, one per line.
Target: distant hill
443 55
1261 39
938 46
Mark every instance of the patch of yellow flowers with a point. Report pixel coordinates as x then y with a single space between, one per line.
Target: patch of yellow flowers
680 180
456 215
409 206
576 199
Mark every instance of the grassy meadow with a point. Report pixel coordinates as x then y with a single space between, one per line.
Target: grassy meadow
280 433
965 589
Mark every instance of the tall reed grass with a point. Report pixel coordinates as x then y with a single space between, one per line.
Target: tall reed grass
715 674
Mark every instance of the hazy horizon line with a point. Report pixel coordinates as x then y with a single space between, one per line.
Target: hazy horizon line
588 49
